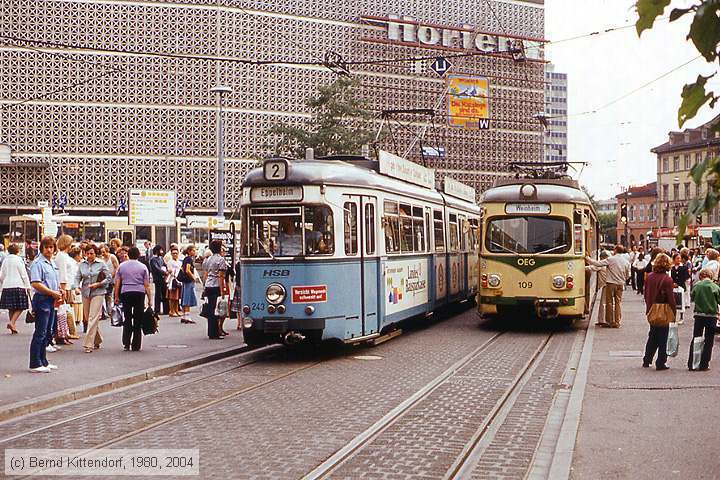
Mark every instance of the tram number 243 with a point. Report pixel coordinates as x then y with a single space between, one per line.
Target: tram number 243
525 284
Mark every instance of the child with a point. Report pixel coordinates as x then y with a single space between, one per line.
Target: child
706 295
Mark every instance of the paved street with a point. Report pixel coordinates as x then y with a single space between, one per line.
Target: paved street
459 398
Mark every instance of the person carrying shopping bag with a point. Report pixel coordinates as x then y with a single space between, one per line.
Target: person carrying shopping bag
93 277
706 295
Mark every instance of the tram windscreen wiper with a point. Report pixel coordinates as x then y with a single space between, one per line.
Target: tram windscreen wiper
552 249
504 248
266 247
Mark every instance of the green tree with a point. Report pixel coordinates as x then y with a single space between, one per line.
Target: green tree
608 225
340 123
705 35
591 197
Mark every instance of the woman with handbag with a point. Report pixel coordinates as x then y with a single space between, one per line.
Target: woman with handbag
15 285
174 285
93 277
660 311
188 278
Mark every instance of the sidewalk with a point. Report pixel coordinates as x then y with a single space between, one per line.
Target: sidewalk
641 423
174 345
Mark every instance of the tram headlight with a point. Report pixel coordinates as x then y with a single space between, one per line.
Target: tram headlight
558 282
275 293
247 322
493 281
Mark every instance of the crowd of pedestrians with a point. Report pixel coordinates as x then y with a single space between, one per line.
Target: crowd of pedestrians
67 285
671 283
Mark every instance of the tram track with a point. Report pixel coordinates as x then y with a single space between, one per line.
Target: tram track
474 448
131 399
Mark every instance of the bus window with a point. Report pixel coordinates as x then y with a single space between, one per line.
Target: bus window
31 231
318 229
73 229
418 230
369 229
439 230
453 230
17 232
94 231
406 229
351 240
391 226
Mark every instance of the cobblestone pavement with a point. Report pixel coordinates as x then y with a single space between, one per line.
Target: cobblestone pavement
285 429
511 451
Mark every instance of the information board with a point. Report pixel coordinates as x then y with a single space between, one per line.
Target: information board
228 239
403 169
151 207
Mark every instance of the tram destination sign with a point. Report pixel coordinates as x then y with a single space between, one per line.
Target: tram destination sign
402 169
458 189
531 208
276 194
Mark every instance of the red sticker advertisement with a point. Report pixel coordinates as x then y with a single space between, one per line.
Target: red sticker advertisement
309 294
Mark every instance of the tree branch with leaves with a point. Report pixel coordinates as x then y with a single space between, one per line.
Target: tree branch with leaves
705 35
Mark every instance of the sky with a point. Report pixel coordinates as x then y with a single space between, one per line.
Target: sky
616 139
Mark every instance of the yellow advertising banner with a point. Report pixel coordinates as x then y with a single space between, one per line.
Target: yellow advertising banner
468 105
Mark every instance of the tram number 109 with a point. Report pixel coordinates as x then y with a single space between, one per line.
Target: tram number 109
525 284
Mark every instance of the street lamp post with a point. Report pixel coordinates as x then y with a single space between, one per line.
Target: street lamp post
220 126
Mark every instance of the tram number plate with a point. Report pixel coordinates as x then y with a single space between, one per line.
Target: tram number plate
525 284
275 170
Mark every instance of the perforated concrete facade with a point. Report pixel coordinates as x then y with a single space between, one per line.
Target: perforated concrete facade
151 122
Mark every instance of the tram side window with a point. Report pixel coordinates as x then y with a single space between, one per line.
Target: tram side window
464 229
350 223
391 227
439 230
406 228
418 230
453 230
319 238
474 234
428 224
370 229
17 232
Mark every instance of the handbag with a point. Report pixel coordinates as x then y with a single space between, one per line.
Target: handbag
30 317
183 277
149 322
63 331
660 314
205 308
673 342
117 319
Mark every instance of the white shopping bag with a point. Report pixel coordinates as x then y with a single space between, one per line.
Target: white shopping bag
673 342
698 344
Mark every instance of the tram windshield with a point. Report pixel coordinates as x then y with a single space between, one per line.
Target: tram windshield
528 235
291 231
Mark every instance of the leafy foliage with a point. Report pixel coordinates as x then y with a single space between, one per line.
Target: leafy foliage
705 34
608 224
340 123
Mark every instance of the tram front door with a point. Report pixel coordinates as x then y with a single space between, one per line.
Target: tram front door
360 241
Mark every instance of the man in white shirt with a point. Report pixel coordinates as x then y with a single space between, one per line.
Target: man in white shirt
618 271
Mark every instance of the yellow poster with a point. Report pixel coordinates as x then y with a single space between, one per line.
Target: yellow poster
468 104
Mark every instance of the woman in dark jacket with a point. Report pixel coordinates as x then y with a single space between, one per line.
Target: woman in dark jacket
658 289
158 270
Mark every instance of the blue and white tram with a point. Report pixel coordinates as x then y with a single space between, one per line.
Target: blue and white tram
332 249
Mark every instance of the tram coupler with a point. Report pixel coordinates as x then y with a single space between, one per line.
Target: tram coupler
292 338
547 309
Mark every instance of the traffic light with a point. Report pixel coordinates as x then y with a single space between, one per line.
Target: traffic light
623 212
698 219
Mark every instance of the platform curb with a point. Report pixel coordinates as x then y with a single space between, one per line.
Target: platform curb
25 407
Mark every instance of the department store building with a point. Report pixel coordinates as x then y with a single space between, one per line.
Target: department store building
101 96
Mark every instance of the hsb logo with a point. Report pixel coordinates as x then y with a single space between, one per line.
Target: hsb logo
526 262
276 273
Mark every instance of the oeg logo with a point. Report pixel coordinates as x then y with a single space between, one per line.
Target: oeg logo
525 262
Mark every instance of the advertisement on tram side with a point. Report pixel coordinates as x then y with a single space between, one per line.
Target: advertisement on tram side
406 285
